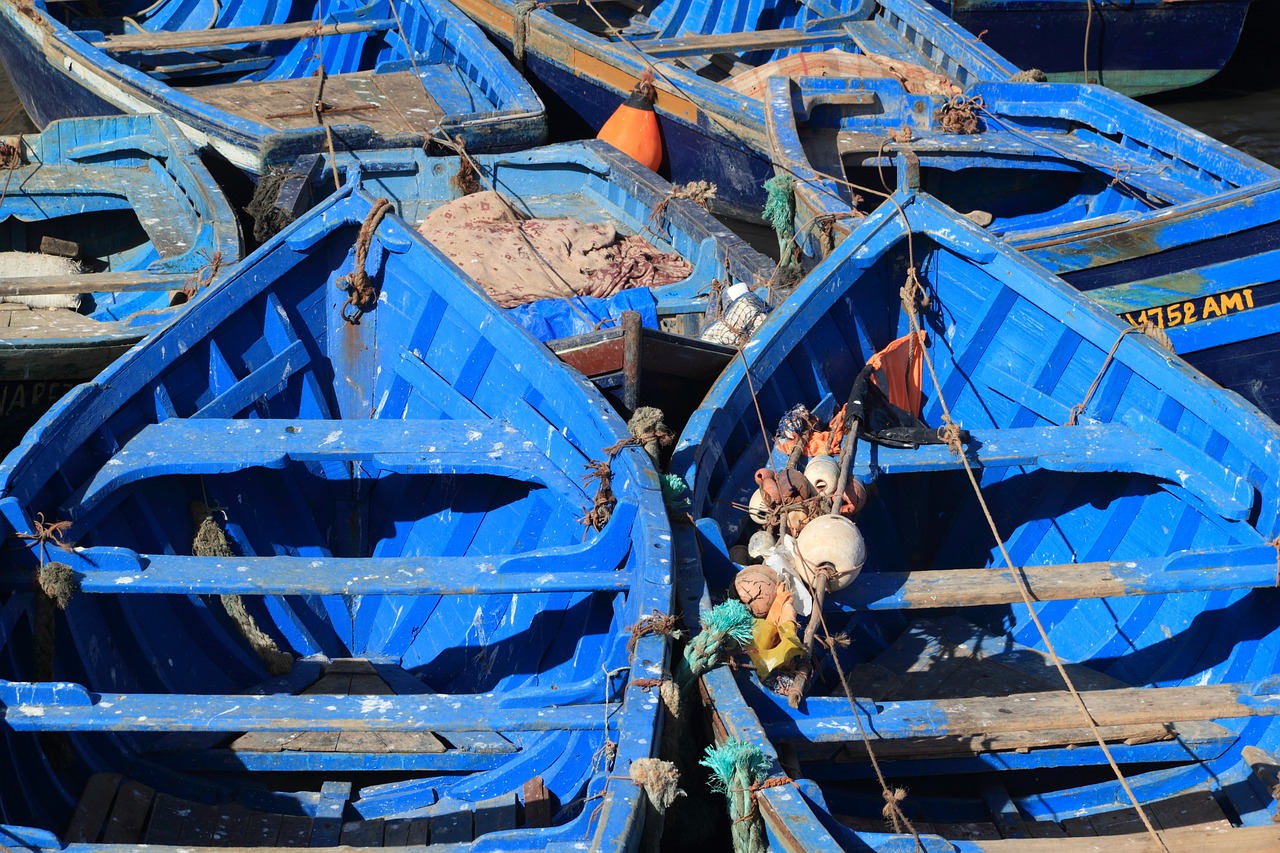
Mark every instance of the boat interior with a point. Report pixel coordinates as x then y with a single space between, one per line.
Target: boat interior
360 629
260 61
1088 448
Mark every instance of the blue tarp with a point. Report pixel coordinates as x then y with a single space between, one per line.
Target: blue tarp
549 319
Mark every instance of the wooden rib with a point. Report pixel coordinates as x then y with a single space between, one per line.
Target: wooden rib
236 35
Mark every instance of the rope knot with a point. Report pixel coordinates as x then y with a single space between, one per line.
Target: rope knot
360 292
960 114
950 434
605 500
913 295
204 276
655 623
520 28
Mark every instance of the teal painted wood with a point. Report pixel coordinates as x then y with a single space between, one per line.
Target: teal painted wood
407 489
710 131
65 64
1158 222
591 181
147 220
1148 592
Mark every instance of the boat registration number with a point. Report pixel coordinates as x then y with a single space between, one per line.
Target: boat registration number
1193 310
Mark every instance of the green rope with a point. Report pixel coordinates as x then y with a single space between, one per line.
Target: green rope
675 493
727 623
736 767
780 212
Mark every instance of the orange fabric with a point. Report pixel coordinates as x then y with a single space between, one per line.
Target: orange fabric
817 445
899 371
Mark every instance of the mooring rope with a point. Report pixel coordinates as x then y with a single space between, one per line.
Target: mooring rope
909 307
360 292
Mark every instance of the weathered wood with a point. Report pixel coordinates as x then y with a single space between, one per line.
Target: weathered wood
537 803
396 833
167 815
92 810
388 104
96 282
1212 839
231 829
1188 572
363 833
582 569
295 831
343 677
828 719
129 814
170 40
495 814
738 43
69 707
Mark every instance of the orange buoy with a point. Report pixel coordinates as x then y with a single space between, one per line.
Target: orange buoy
633 127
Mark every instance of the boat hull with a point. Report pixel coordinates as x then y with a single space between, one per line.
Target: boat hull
1136 48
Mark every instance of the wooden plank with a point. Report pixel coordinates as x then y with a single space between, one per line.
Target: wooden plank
72 708
129 814
396 833
495 814
91 812
295 831
1236 568
170 40
419 832
451 827
363 833
97 282
386 103
582 568
537 804
828 719
167 816
263 829
231 829
738 43
198 826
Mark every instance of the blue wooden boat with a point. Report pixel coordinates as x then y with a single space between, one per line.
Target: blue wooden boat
1143 535
132 221
659 361
1135 47
264 82
711 131
1157 222
396 628
590 181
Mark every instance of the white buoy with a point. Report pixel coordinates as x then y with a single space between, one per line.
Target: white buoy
823 472
832 541
757 508
761 543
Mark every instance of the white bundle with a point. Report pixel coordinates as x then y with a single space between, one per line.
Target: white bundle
36 265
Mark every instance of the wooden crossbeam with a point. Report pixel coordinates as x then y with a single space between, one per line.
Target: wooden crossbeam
1240 568
101 282
828 720
211 445
737 43
46 706
573 568
169 40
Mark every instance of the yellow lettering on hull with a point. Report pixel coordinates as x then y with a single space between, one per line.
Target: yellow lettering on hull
1183 313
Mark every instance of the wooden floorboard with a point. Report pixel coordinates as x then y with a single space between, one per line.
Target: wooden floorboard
387 103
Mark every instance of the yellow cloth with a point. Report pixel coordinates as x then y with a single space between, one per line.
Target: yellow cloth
774 642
